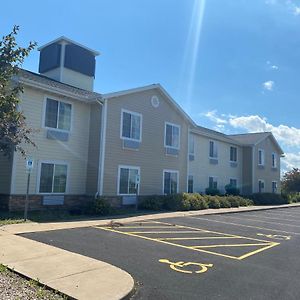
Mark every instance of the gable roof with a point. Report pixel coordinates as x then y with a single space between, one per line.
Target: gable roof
43 82
156 86
252 139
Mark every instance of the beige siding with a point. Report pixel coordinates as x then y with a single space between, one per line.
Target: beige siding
150 157
266 173
94 148
202 169
5 174
74 151
247 170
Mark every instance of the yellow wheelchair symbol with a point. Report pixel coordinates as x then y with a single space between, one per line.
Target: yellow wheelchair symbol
178 266
276 236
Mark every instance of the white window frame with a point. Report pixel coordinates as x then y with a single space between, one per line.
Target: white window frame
263 190
54 162
262 157
233 161
121 125
44 114
215 178
119 174
163 182
232 178
215 146
165 135
188 182
275 161
276 187
191 142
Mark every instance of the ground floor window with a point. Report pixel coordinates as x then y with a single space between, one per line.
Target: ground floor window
128 179
191 184
274 186
261 186
233 182
53 178
171 182
212 182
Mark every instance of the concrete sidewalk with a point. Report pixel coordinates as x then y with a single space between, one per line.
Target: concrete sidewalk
75 275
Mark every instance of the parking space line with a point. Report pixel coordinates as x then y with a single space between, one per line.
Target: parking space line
283 214
243 225
273 218
263 244
247 219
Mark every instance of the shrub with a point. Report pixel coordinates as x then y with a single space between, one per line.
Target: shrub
224 203
155 202
196 201
212 202
212 191
233 200
175 202
293 198
232 190
102 206
268 199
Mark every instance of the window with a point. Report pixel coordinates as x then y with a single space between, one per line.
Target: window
53 178
131 125
233 182
213 151
213 183
171 182
58 115
274 187
190 184
128 177
274 160
172 135
233 154
191 144
261 186
261 157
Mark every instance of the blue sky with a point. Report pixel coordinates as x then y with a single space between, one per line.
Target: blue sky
233 65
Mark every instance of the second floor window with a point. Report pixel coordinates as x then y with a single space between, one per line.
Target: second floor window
261 157
131 126
191 144
58 115
172 135
233 154
213 149
274 160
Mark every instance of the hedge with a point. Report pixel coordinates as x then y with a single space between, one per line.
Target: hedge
268 199
191 201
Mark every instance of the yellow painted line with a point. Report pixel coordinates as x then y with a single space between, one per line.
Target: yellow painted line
247 219
258 250
231 245
201 238
243 225
158 227
220 233
139 232
165 242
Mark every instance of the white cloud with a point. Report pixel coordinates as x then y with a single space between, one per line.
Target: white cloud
212 116
274 67
296 10
291 160
268 85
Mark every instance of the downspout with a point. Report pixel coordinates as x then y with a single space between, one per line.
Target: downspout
102 147
188 161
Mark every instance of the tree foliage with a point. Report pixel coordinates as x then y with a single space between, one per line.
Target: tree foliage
291 181
13 129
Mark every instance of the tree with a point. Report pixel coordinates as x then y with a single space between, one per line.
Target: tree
13 129
291 181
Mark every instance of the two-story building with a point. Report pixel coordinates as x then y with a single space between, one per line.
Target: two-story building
92 144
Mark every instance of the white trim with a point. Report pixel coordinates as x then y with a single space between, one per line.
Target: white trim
262 157
118 179
44 113
102 148
233 161
253 166
121 125
170 171
69 41
54 162
165 134
217 150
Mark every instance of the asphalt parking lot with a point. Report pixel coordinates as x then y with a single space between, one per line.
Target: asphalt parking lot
249 255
